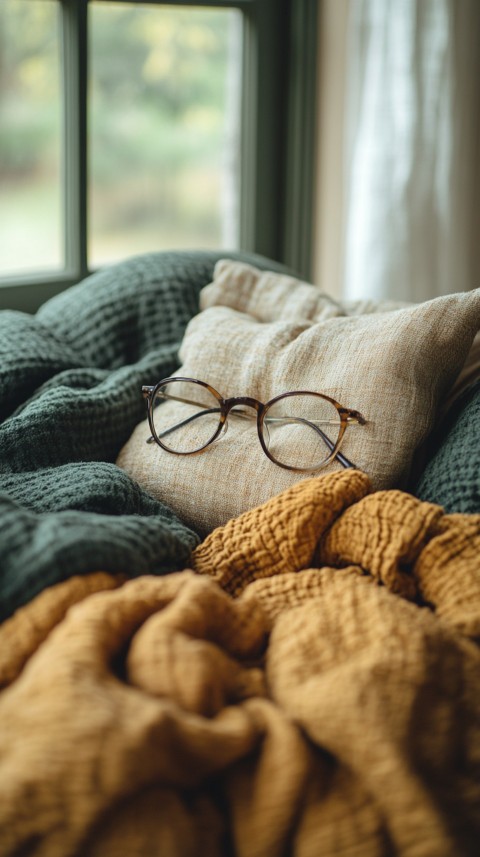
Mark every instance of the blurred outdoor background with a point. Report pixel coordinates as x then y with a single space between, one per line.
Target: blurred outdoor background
163 127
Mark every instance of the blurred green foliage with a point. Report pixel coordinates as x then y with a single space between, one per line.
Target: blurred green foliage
161 143
157 84
29 85
158 119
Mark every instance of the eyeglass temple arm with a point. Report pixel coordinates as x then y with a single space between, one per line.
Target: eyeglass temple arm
147 392
184 422
343 460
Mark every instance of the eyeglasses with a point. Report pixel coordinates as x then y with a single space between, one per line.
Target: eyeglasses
299 431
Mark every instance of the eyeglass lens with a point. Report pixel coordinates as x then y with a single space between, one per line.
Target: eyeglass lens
188 417
301 430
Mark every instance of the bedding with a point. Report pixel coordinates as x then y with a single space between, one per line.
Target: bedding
451 472
311 686
272 296
70 379
303 680
260 334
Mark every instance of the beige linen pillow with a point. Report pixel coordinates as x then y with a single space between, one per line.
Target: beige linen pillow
393 366
268 296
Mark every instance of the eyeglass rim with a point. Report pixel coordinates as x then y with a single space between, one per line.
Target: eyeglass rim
346 415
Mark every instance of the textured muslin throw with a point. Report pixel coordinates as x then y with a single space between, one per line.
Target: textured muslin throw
311 687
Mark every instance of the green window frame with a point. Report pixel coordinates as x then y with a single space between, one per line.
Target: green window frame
277 139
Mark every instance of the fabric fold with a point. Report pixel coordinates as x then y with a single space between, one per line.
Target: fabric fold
70 396
309 709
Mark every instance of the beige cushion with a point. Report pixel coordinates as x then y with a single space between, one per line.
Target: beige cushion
275 334
268 296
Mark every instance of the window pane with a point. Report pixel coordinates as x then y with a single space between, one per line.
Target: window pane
31 231
163 128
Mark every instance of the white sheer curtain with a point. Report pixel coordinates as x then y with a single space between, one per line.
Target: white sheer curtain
412 225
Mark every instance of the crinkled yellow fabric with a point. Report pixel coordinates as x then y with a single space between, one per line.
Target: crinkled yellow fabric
22 634
311 688
409 546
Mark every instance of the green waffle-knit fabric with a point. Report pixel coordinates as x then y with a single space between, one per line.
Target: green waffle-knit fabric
70 379
451 476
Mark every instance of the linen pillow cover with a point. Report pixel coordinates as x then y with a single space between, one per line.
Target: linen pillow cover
278 334
269 296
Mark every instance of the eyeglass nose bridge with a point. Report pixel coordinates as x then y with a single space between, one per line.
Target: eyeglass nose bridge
248 402
228 404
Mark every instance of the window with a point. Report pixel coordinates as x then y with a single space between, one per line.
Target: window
132 126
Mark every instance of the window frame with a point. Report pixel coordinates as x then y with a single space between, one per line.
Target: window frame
277 140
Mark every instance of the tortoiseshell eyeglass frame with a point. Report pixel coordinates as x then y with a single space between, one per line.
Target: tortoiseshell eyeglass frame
347 416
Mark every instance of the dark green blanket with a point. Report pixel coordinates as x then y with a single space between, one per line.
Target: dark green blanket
70 380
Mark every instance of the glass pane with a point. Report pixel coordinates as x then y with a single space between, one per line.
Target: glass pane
301 430
164 100
186 416
31 229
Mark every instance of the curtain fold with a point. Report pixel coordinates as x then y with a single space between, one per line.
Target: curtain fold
412 156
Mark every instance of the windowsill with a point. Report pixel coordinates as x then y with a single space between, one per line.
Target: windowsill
28 294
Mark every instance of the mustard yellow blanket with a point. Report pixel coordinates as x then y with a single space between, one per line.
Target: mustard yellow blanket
310 688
